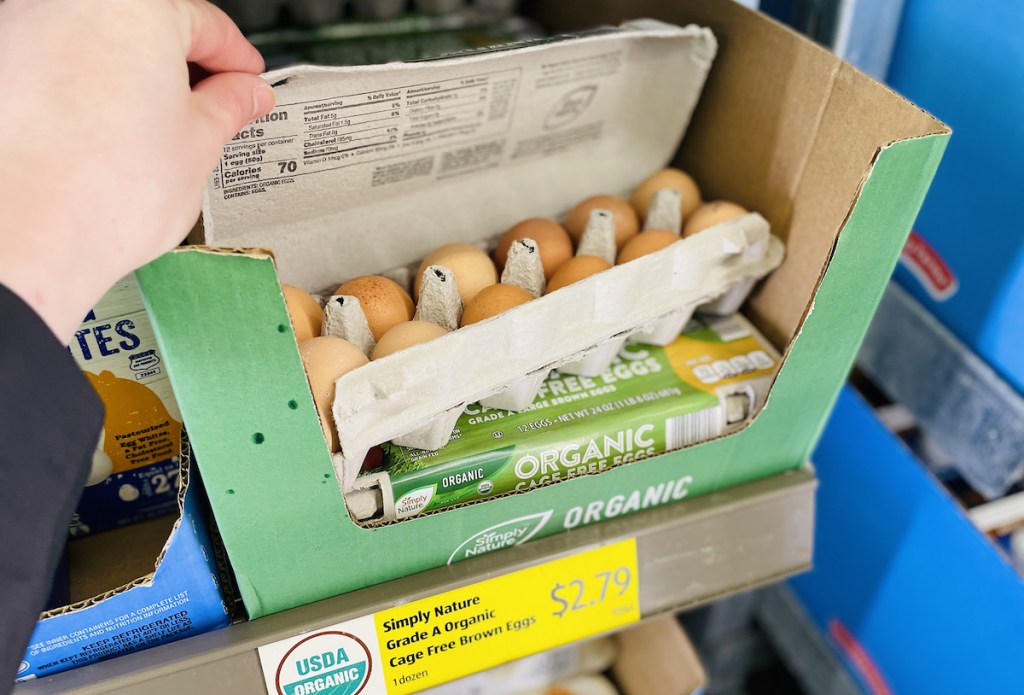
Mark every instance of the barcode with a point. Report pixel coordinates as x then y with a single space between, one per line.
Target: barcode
692 428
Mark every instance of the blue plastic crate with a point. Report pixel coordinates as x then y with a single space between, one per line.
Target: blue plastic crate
907 590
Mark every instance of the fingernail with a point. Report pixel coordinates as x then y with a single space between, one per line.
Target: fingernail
263 100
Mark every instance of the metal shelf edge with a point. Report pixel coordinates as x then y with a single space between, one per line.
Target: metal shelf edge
689 553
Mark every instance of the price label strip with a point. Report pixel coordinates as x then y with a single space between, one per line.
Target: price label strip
463 631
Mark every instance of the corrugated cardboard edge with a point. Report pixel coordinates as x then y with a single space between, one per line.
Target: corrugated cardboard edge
146 579
250 251
942 131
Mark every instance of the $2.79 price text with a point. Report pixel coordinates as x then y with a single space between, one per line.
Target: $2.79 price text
582 594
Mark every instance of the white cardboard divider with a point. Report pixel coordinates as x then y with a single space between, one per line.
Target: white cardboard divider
409 390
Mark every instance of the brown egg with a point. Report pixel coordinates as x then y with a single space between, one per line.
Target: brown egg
576 269
553 241
374 460
627 224
383 301
492 301
473 269
645 243
405 335
710 214
326 359
668 178
449 249
304 311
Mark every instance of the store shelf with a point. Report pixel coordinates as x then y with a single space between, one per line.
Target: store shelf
689 553
974 416
800 644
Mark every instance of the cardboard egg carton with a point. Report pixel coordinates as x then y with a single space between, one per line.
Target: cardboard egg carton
414 397
362 170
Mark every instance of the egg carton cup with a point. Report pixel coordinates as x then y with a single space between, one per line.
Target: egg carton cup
415 392
596 360
371 497
730 302
519 394
664 330
434 433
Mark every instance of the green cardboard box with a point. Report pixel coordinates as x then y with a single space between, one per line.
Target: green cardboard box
836 163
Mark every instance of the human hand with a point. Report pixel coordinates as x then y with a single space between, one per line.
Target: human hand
105 148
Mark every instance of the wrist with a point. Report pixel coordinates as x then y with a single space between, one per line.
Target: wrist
59 288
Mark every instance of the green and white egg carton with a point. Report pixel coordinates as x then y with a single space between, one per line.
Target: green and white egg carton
548 125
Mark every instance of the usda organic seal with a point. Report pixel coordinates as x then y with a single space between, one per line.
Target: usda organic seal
329 663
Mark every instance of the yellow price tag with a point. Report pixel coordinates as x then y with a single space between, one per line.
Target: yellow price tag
463 631
467 630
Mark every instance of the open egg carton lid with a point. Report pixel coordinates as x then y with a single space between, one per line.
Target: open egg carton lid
362 170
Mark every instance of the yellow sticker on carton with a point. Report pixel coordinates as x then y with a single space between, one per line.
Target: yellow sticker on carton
444 637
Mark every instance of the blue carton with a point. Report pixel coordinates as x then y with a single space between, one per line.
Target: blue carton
904 587
963 62
127 498
180 598
135 466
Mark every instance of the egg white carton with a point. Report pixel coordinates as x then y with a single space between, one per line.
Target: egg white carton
414 397
261 14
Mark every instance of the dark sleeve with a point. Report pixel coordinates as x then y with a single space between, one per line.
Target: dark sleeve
50 420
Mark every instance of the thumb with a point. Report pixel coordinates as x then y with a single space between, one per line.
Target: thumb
224 103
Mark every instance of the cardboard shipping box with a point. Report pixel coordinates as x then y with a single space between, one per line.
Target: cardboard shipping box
835 163
133 587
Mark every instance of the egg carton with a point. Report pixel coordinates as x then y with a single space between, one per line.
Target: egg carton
373 497
414 397
262 14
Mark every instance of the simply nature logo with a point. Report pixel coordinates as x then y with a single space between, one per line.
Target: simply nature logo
326 663
504 535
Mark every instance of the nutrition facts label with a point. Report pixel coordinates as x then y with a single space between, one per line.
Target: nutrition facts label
303 138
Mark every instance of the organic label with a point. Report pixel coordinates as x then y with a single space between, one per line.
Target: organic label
463 631
650 400
499 536
339 660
